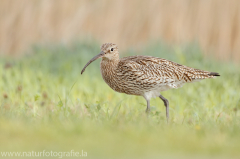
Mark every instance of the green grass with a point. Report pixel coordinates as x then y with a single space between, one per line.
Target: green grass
47 105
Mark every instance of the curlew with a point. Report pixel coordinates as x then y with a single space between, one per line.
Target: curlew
144 75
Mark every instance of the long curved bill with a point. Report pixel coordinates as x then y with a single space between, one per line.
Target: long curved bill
93 59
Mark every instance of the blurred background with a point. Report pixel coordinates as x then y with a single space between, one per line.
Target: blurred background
213 24
46 104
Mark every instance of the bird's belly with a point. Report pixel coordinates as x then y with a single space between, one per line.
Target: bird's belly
133 89
163 88
135 86
153 93
127 89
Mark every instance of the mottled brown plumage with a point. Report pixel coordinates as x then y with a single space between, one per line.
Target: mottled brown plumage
144 75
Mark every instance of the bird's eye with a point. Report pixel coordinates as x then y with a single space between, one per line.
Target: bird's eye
111 49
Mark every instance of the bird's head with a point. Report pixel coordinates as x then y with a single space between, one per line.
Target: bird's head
109 51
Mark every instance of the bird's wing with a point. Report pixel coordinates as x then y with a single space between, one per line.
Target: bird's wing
154 69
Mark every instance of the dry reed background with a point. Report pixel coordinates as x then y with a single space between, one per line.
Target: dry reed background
215 24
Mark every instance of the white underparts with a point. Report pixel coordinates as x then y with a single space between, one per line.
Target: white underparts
156 92
151 94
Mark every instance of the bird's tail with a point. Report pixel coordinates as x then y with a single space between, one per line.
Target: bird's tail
194 75
213 74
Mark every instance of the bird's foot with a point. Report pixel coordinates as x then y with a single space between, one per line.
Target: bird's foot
148 110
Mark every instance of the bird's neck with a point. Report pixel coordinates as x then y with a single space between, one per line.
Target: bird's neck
109 64
108 69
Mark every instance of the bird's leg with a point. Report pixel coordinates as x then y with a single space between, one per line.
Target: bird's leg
166 103
148 106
